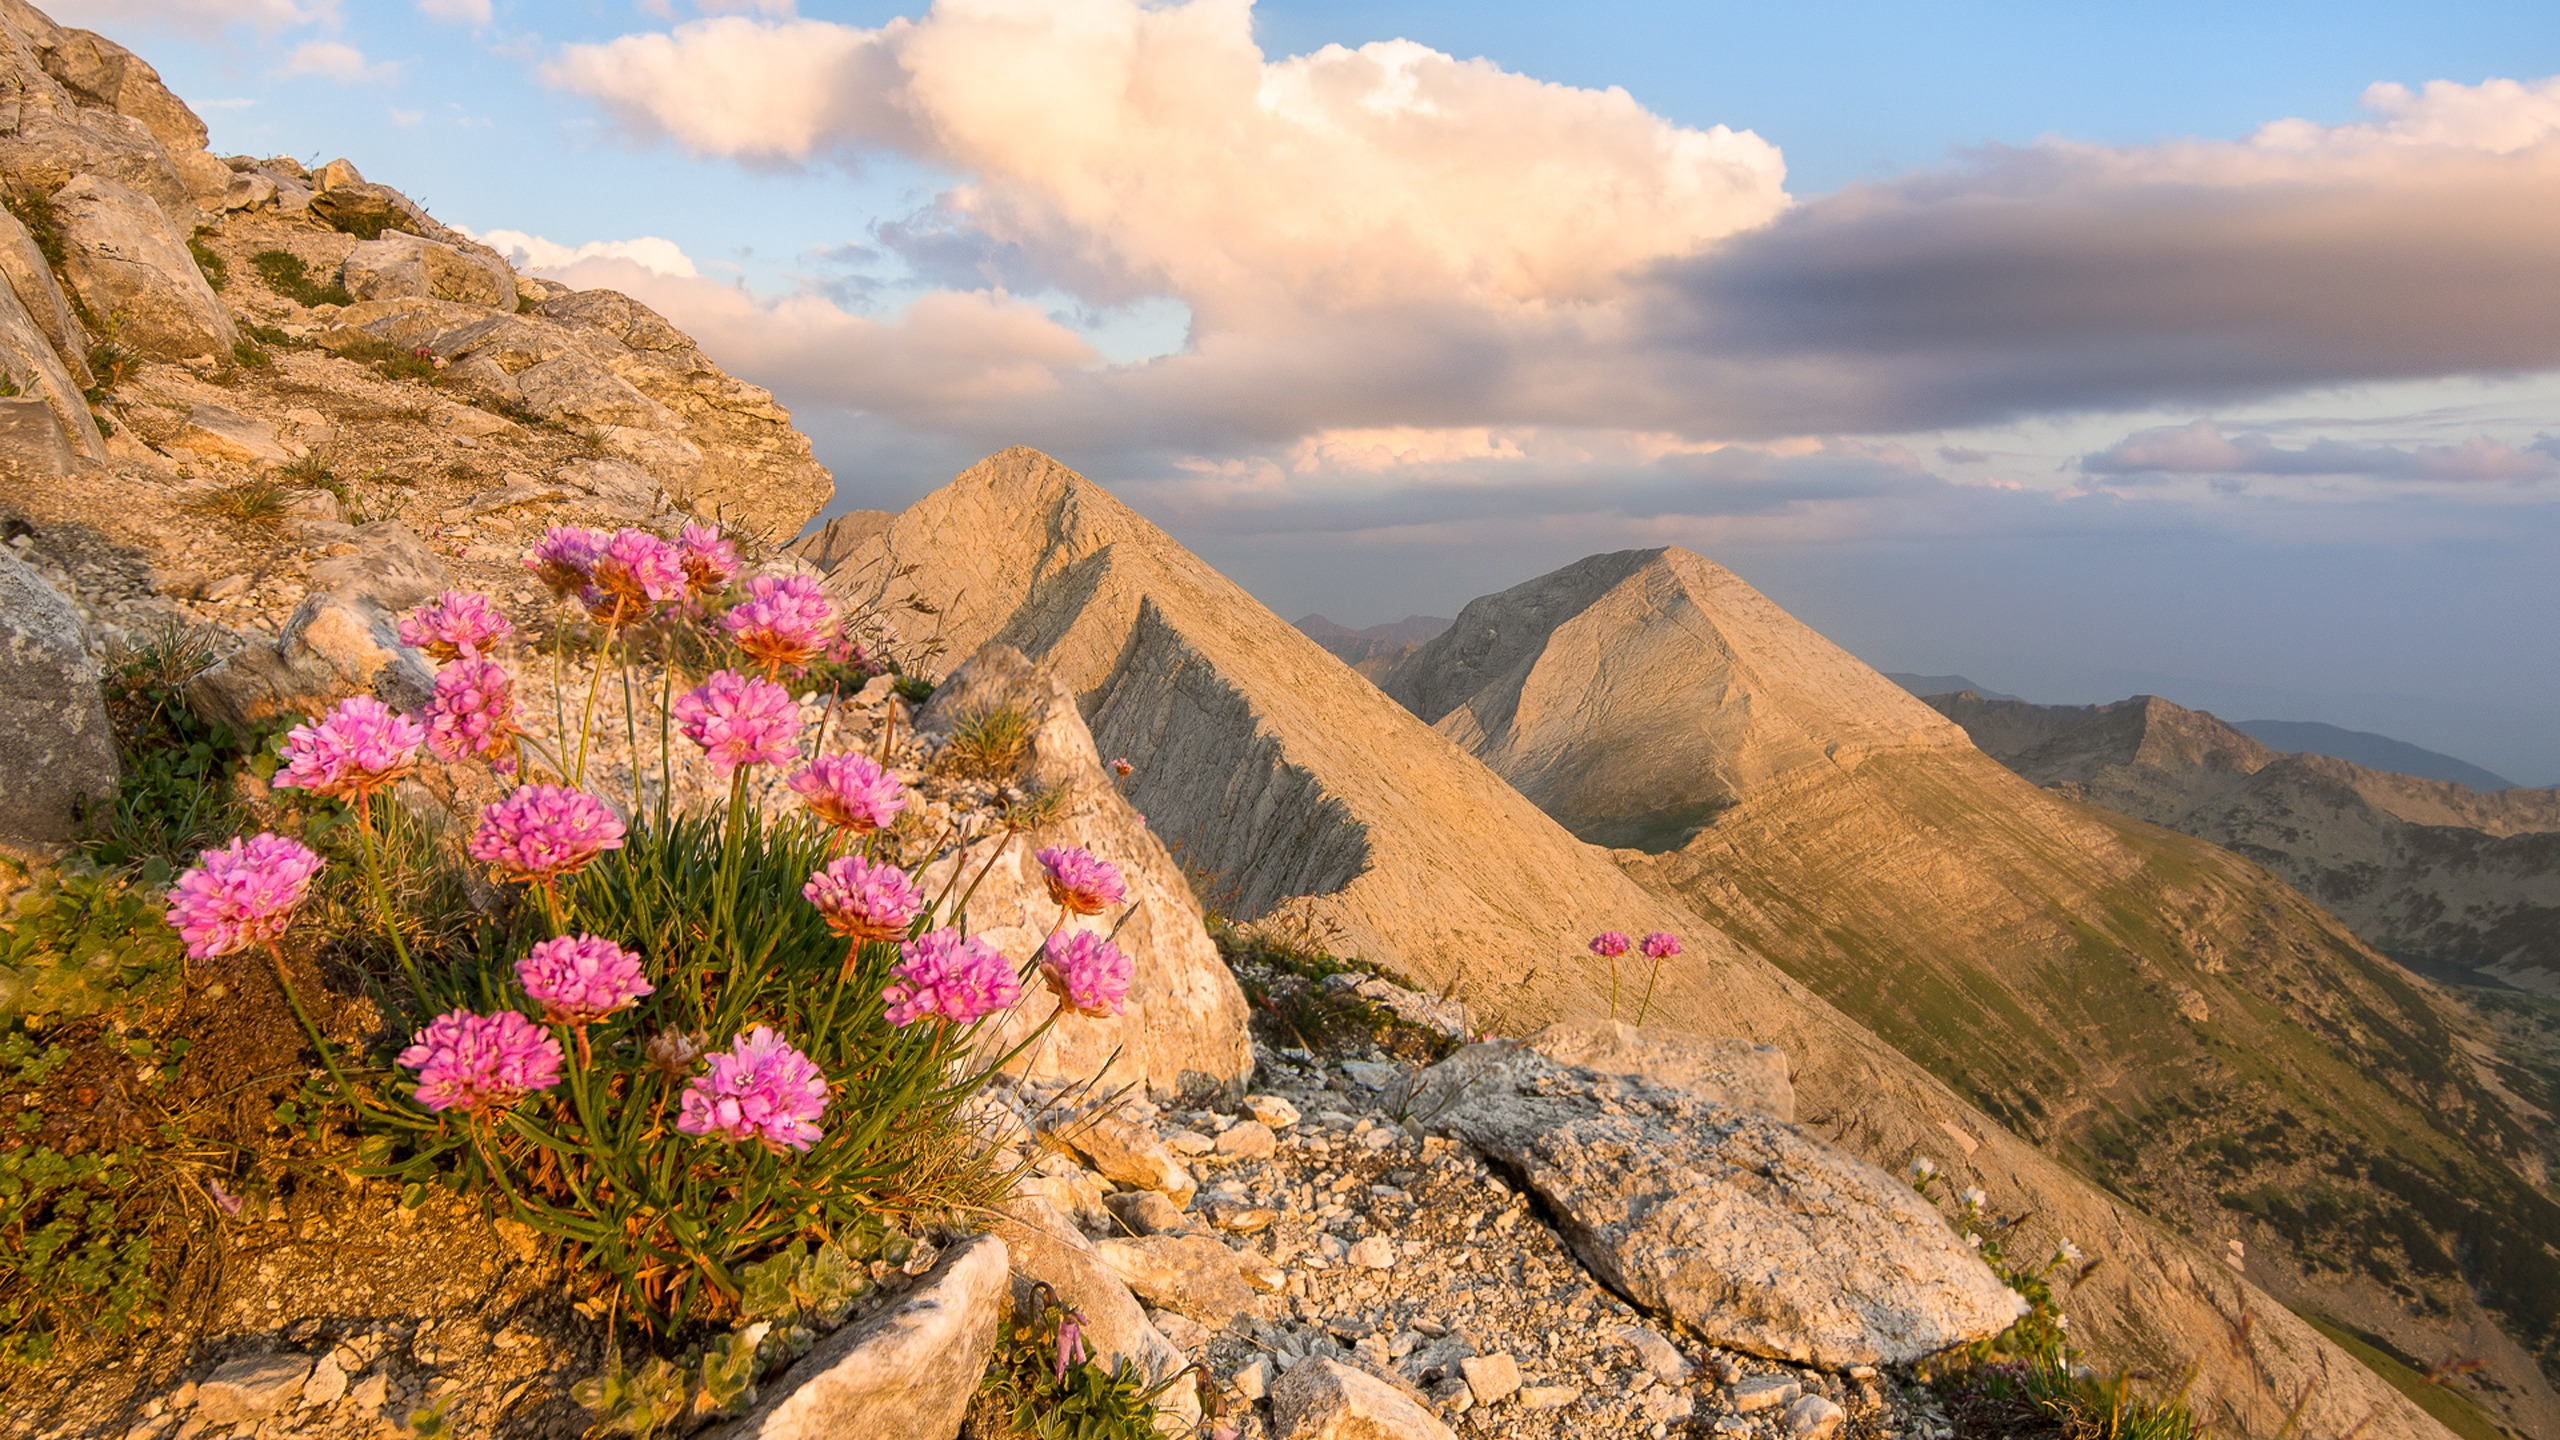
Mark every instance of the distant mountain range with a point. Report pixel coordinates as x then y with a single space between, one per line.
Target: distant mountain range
1377 650
2294 737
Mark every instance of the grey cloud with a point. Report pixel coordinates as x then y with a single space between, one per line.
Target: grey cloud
2202 449
2053 279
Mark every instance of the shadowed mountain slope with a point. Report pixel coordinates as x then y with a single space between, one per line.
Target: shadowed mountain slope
2449 881
2361 747
2159 1011
1311 797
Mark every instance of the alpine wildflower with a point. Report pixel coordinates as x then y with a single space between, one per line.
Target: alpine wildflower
360 746
759 1089
850 792
481 1063
739 721
1088 973
961 979
459 624
241 895
1081 882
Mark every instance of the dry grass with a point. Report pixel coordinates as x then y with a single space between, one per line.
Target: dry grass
245 502
989 745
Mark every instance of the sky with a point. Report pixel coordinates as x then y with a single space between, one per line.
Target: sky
2208 351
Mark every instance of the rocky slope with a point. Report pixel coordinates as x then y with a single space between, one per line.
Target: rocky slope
2445 879
1306 798
2160 1012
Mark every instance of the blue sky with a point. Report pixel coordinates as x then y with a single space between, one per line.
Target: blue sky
2010 339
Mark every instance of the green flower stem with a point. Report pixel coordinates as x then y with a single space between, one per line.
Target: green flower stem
328 1057
382 892
595 682
1649 982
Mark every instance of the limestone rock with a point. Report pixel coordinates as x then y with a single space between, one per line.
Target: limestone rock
30 278
97 71
132 267
251 1389
1321 1399
1247 1140
1737 1225
55 743
393 568
1046 1250
1128 1152
399 264
904 1374
1490 1377
1146 1212
1274 1111
221 433
333 646
1721 1067
60 128
32 445
1192 1274
1658 1354
44 352
834 542
1183 1029
1813 1418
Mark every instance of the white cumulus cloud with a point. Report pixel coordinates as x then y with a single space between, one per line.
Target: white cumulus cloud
335 60
652 253
463 12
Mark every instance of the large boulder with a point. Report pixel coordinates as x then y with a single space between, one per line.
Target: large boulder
332 646
1740 1227
30 278
1323 1399
904 1374
36 335
1184 1026
55 745
58 130
101 73
130 264
399 264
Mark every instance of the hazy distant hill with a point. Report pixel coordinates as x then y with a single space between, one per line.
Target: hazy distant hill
1925 686
2440 876
2361 747
1377 650
2173 1018
1305 796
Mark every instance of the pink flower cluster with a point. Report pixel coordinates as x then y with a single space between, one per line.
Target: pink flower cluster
563 557
579 979
1661 945
1610 944
1080 881
944 973
1088 973
850 792
455 625
638 570
481 1063
473 713
240 895
710 561
359 747
542 831
783 622
759 1089
864 900
740 721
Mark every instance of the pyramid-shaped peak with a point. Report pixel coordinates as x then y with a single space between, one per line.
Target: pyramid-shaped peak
1639 690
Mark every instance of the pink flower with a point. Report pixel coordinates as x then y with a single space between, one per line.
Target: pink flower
759 1089
579 979
740 721
454 625
473 713
1661 945
1088 973
229 1202
481 1063
542 831
1122 768
943 973
1609 944
565 558
634 570
1081 881
240 895
863 900
710 561
783 621
850 792
361 746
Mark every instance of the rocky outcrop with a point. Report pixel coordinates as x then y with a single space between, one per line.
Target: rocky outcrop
400 265
343 639
1320 803
1047 1251
79 104
2449 880
1743 1229
1184 1025
904 1374
55 745
132 268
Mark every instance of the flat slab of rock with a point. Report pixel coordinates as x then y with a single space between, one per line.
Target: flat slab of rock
222 433
55 744
1193 1275
251 1389
1741 1227
125 260
1129 1152
904 1374
1721 1067
1321 1399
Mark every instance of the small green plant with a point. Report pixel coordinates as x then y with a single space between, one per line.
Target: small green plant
34 209
259 500
1042 1385
285 274
216 270
989 744
111 363
9 384
250 355
390 361
271 336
